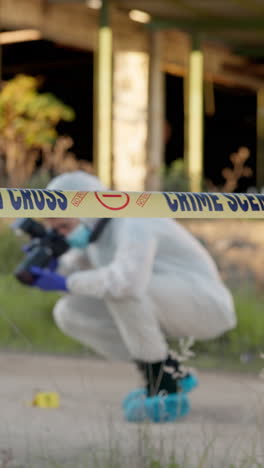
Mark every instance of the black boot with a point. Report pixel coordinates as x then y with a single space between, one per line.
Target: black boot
163 376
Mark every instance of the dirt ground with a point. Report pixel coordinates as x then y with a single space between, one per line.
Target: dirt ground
227 414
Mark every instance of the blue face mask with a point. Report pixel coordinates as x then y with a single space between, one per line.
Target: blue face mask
79 237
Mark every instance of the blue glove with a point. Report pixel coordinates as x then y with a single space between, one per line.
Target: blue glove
47 280
53 264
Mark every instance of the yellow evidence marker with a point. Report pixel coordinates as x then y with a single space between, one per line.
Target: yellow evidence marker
46 400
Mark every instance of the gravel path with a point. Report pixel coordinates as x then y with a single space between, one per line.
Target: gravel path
227 413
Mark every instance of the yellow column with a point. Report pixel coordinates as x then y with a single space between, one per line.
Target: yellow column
194 119
260 139
103 99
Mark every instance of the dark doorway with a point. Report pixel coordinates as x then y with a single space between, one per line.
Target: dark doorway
174 114
67 73
232 126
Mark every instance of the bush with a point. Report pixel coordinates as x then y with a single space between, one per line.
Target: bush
28 121
174 177
39 180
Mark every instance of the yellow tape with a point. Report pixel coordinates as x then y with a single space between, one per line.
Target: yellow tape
19 203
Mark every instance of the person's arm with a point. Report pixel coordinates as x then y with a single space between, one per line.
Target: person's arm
129 272
55 278
72 261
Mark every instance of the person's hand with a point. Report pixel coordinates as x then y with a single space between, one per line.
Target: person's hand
53 263
27 248
48 280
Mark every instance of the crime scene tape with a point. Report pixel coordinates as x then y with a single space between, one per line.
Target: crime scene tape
20 203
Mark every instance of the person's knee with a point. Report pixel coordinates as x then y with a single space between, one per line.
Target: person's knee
230 320
229 313
61 313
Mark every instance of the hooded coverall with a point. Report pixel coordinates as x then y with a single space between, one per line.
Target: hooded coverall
143 281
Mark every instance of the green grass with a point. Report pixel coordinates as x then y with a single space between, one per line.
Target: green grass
146 456
232 364
10 248
26 322
247 339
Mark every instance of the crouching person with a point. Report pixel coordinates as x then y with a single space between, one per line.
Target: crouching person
130 285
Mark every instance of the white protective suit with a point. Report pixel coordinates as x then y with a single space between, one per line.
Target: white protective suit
143 280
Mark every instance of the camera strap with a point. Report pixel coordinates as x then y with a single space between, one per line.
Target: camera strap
99 229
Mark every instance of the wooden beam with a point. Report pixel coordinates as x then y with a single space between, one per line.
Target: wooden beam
248 69
188 8
248 50
229 79
24 13
75 25
251 5
210 23
72 24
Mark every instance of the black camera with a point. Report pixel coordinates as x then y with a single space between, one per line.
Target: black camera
45 245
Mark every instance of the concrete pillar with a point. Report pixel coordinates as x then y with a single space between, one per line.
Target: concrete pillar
194 119
260 140
156 114
103 99
130 119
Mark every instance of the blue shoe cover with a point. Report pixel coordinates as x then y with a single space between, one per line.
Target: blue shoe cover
134 395
158 409
187 384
